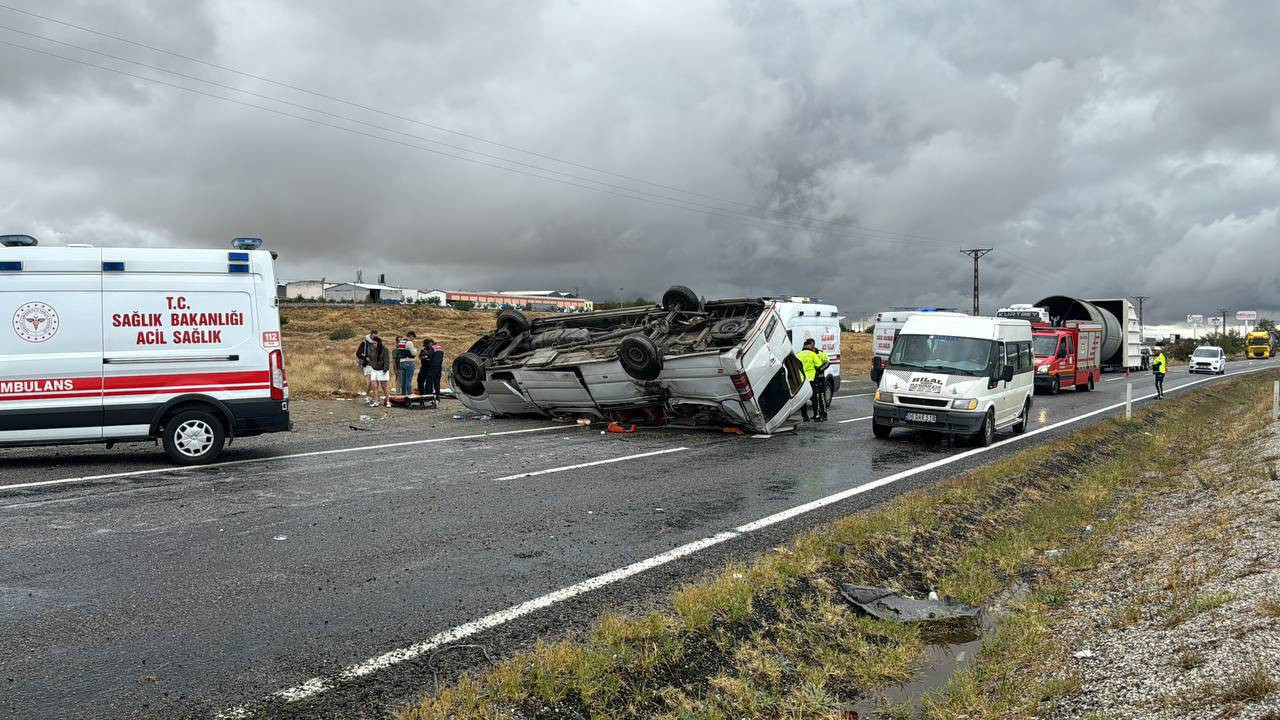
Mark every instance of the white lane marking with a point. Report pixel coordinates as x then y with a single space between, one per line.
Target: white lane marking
317 685
868 417
1113 379
273 458
624 458
838 397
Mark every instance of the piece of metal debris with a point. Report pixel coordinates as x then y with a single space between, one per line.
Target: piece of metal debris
887 604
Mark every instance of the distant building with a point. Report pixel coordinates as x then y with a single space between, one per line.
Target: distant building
538 300
304 290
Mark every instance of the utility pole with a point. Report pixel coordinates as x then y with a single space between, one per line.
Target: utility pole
1222 329
1142 326
976 253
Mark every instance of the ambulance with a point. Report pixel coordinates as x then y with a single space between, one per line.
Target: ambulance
113 345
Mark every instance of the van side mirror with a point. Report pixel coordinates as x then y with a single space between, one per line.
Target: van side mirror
1007 373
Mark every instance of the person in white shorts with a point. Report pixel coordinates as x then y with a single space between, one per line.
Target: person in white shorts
362 361
380 371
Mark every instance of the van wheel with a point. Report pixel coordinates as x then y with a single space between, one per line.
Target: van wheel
1056 386
729 329
640 357
679 297
513 321
468 373
881 431
1021 426
193 437
987 433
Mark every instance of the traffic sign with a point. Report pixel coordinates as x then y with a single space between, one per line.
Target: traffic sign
1246 314
1195 319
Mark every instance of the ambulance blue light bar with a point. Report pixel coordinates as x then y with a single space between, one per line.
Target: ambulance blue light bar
10 266
237 268
18 241
246 243
112 266
238 257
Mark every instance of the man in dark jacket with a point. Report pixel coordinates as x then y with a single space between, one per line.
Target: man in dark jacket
432 367
362 361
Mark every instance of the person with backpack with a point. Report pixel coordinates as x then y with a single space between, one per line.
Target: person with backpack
379 360
406 351
362 362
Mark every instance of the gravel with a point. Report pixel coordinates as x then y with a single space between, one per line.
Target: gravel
1175 622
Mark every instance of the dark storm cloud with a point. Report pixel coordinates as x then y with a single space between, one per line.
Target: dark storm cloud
1102 149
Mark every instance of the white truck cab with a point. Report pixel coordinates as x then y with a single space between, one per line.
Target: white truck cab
108 345
888 324
957 375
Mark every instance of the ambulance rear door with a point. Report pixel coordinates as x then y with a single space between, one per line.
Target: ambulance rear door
50 344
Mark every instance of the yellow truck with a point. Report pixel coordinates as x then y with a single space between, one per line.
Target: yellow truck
1260 344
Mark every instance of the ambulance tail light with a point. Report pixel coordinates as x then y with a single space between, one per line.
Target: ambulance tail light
743 386
278 382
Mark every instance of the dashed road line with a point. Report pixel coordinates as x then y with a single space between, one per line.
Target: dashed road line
275 458
867 417
608 461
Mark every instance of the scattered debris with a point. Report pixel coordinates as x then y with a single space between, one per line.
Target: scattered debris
887 604
584 421
616 428
1083 654
357 427
365 418
281 536
1056 552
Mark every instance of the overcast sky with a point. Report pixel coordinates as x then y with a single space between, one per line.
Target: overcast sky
1103 148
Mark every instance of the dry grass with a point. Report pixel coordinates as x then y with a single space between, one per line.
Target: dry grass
322 368
319 367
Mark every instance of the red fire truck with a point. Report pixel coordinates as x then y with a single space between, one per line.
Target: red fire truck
1067 355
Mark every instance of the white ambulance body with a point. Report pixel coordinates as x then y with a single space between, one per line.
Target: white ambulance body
128 344
820 323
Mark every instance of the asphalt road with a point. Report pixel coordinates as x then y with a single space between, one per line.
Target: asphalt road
129 589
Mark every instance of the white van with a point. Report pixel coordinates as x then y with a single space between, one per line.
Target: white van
958 375
821 323
109 345
684 362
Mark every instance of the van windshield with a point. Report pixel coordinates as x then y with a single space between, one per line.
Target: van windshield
943 354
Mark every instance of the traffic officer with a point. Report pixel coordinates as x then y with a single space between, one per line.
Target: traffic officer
1160 366
815 364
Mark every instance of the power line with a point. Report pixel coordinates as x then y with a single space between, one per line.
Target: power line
852 228
976 253
675 204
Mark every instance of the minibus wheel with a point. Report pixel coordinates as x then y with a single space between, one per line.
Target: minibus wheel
1021 426
987 433
193 437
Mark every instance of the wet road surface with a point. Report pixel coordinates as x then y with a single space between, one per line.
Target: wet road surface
181 593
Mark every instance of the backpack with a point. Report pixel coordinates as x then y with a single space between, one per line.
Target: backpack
362 354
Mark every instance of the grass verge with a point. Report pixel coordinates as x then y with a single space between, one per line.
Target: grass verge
773 638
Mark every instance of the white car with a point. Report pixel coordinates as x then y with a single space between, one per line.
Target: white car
1208 359
957 375
685 362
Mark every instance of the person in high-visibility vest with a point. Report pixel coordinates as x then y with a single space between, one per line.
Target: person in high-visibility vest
1160 366
815 364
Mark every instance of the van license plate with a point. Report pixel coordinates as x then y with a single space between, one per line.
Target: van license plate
921 417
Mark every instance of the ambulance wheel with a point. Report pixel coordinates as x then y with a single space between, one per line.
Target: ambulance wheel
987 433
1023 419
679 297
468 373
1056 386
640 357
193 437
513 321
830 393
881 431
